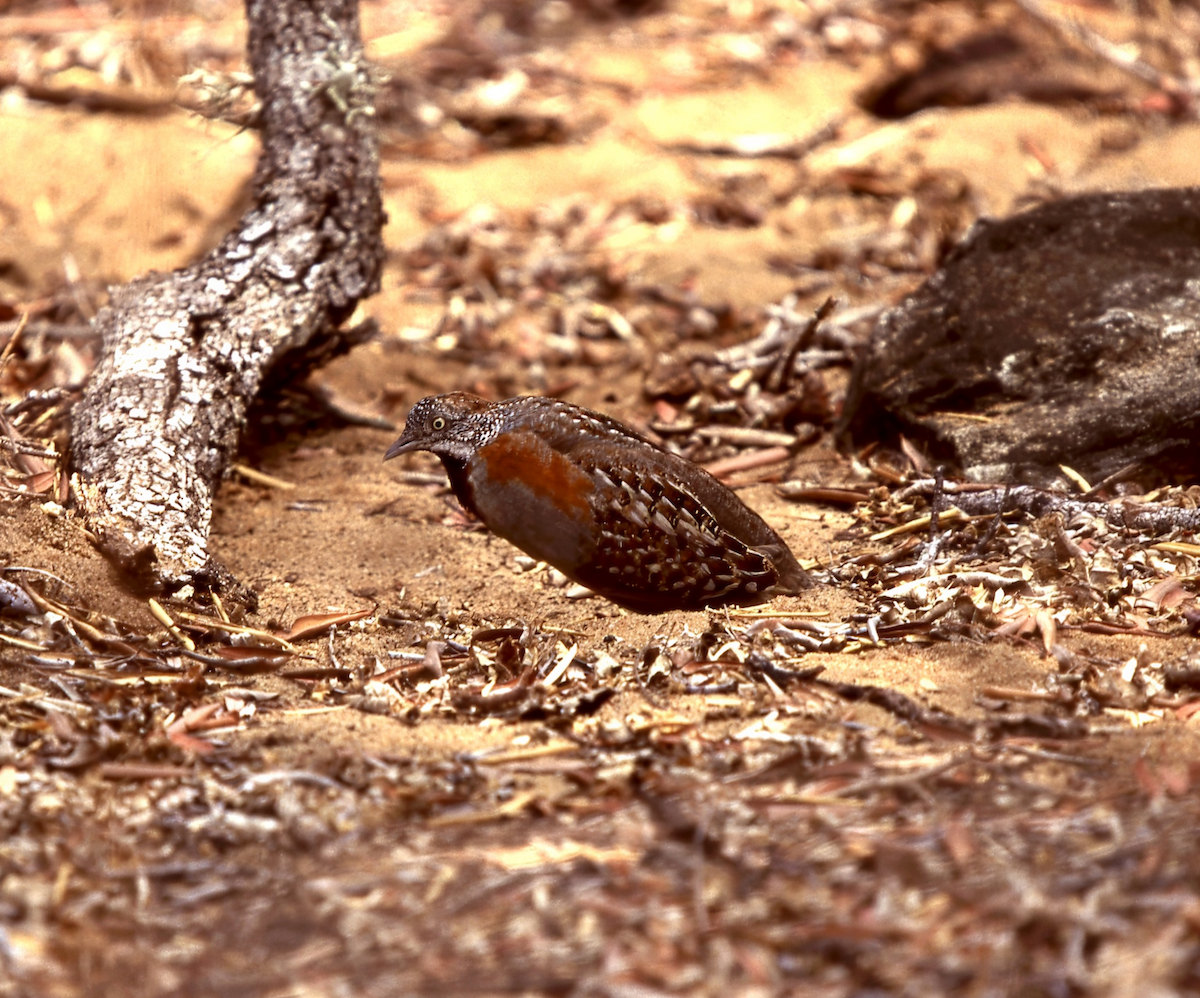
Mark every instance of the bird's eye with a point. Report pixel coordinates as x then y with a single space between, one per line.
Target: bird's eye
439 422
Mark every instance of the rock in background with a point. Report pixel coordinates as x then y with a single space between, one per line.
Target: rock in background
1068 334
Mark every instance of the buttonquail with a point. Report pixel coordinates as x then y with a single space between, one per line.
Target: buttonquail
647 529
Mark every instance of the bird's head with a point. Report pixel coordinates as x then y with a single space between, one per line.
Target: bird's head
450 426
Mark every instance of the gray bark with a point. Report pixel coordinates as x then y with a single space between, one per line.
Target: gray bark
185 353
1144 518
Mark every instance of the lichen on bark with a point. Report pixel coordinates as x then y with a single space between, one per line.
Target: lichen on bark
185 353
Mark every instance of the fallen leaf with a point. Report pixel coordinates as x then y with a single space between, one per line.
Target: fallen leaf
42 481
1166 594
1149 782
315 625
1175 779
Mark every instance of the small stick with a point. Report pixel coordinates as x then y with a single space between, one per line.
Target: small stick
747 461
784 373
1182 91
262 478
11 345
648 657
164 618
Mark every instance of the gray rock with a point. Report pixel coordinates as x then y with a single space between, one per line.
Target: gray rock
1068 334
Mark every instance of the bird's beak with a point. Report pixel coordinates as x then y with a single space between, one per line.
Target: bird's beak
402 446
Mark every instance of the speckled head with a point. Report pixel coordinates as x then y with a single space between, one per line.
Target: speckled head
451 426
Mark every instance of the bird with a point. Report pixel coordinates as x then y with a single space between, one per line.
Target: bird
614 512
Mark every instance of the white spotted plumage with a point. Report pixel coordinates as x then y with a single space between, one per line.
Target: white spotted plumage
660 533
